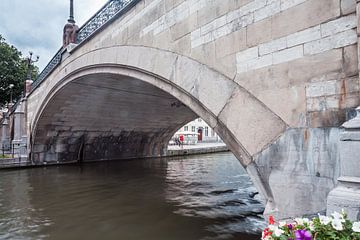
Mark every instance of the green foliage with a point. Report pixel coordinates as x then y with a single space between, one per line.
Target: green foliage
13 70
5 156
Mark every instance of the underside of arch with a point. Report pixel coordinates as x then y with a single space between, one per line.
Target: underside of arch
107 116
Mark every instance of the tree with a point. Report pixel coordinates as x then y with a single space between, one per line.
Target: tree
13 72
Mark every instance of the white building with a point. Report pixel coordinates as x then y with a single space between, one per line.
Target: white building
202 129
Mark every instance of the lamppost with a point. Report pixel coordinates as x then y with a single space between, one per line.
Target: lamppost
29 64
11 86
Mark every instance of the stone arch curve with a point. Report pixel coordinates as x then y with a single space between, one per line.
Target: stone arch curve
252 124
246 125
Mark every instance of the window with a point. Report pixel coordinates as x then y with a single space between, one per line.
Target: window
193 128
186 128
206 131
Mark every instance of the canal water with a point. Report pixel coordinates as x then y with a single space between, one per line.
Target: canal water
198 197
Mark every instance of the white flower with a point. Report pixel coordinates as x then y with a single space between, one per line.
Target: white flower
278 232
339 217
324 220
311 226
282 223
337 224
306 220
356 227
272 227
299 221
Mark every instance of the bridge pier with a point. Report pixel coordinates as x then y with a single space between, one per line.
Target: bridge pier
5 137
346 195
19 141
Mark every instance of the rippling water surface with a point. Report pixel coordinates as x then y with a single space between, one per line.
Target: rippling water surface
198 197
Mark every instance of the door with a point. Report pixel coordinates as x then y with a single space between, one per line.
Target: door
200 135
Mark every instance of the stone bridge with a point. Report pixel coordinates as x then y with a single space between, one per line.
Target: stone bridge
274 78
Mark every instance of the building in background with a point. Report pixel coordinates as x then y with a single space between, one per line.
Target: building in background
201 130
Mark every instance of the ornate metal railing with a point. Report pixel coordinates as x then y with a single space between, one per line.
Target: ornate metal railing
111 10
101 17
54 62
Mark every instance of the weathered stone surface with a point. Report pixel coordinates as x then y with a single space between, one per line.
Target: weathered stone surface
302 16
258 32
351 60
265 126
301 162
348 6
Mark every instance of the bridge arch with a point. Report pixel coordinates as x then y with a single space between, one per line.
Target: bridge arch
65 125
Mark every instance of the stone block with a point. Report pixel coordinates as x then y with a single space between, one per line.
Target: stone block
272 46
260 62
320 89
38 148
182 46
303 16
243 21
338 25
205 54
258 32
246 55
267 11
342 39
227 65
60 148
197 42
222 31
206 14
209 85
252 7
350 167
230 44
231 16
286 4
348 6
351 60
194 78
293 113
304 36
328 118
288 54
257 127
162 63
208 28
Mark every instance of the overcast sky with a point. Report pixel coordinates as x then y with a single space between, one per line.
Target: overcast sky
36 25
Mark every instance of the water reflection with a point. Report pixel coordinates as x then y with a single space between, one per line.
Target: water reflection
215 188
202 197
18 218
